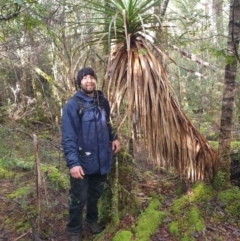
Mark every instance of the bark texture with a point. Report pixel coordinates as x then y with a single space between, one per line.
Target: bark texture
229 91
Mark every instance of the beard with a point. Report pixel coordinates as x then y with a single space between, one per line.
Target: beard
88 90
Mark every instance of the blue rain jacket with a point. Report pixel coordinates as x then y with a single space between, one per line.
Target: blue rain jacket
86 138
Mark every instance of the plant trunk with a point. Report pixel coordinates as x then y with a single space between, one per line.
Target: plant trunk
223 169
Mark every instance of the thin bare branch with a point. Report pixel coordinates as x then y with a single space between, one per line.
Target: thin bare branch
194 58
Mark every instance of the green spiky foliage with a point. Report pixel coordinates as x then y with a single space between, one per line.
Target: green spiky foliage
136 77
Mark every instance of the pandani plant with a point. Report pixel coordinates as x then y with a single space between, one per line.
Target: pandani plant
136 76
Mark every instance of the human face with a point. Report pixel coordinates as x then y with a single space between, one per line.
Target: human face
88 84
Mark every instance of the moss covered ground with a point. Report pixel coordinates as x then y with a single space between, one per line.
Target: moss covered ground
147 204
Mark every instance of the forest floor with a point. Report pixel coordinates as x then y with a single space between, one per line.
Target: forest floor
16 221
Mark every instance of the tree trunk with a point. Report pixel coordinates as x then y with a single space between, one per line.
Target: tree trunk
163 8
216 18
222 178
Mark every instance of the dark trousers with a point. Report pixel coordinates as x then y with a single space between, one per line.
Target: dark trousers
84 191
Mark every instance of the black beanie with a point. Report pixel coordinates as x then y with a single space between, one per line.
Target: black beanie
83 72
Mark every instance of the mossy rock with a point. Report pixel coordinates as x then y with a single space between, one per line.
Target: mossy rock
173 228
123 235
183 226
200 192
195 219
186 215
146 225
149 221
178 205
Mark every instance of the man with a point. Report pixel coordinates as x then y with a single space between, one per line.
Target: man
88 143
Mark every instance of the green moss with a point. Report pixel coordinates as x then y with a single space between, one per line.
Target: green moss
184 225
201 192
187 237
235 155
179 204
219 180
123 235
203 128
54 155
105 204
59 180
22 226
179 190
235 145
7 221
153 205
167 184
156 196
16 163
173 228
2 162
24 165
21 192
149 221
186 215
45 135
230 199
5 174
195 219
148 174
214 144
146 224
120 196
199 225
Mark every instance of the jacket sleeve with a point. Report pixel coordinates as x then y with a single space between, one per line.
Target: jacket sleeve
70 128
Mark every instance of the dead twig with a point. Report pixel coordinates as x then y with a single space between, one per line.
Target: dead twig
22 235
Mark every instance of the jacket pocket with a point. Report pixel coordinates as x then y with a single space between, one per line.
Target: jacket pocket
89 164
